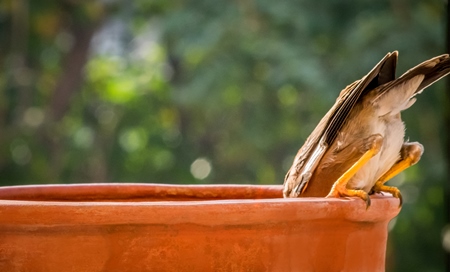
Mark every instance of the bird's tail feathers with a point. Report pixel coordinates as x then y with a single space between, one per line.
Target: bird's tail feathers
398 95
432 69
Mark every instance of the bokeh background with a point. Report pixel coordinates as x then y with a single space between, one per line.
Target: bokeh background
208 91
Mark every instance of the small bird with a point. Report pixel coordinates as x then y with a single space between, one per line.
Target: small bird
359 144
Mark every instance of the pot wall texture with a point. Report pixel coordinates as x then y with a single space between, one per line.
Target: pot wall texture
149 227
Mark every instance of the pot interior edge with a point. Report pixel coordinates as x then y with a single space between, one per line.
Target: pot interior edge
122 192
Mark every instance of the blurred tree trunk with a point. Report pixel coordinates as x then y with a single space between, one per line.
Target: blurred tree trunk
72 74
68 84
20 72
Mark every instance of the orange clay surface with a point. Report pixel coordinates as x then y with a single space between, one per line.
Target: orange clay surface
150 227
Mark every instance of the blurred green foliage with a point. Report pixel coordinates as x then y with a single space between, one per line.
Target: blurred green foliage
209 92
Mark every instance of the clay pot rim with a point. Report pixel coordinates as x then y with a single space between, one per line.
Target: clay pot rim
136 191
263 208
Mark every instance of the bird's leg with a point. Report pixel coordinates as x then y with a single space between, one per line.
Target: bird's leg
409 155
371 148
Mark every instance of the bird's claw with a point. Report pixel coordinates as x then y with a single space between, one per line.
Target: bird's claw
349 193
394 191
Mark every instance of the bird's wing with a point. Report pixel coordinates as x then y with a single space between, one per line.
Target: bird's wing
310 154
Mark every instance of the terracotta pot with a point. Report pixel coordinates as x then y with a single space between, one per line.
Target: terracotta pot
136 227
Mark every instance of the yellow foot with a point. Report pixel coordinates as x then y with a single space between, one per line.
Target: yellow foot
409 155
394 191
342 192
340 189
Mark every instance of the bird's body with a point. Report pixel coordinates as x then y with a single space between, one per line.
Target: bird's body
391 128
359 143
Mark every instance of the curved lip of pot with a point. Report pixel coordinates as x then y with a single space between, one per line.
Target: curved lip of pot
210 205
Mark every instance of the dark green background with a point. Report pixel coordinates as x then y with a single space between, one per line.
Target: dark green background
136 91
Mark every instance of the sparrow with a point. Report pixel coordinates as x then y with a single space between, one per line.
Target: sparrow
360 142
